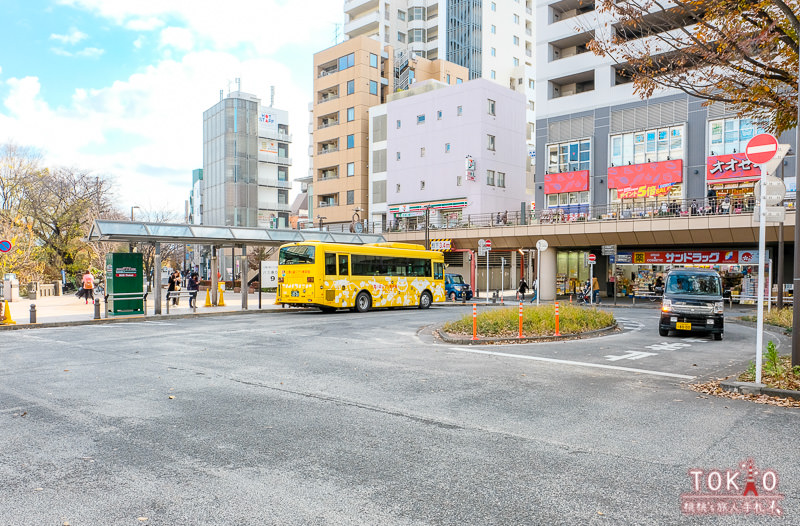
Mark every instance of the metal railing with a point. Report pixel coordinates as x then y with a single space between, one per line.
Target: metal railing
125 296
188 294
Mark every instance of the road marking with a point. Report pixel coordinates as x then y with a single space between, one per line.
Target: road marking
667 346
570 362
694 340
630 355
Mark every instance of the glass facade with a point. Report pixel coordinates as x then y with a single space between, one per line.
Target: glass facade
727 136
660 144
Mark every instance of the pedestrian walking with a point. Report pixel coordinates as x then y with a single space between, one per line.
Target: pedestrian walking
535 290
88 286
523 288
193 286
595 290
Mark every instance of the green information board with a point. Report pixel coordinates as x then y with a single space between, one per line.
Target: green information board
125 275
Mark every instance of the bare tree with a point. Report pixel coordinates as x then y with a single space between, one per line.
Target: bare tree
742 52
171 253
17 164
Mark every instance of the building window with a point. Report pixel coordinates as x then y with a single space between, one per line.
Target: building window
401 37
459 179
492 74
351 87
351 141
439 115
421 119
416 35
373 87
422 185
398 124
493 52
447 147
515 61
516 19
490 142
569 156
530 84
515 39
501 179
351 169
401 15
373 60
458 111
416 13
490 177
397 189
283 197
422 152
351 114
493 29
448 78
491 106
398 156
283 173
658 144
459 81
727 136
347 61
494 6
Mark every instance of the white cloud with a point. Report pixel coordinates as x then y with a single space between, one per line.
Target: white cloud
73 37
60 52
144 24
147 130
91 52
138 43
177 37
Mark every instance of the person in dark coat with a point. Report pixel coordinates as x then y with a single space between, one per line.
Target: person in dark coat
174 285
193 286
523 288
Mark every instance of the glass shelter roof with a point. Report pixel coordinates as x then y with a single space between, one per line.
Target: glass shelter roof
141 232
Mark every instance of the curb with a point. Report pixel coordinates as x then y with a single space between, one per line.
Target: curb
752 388
446 337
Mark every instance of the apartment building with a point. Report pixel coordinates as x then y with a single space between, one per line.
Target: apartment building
454 151
602 145
492 39
349 78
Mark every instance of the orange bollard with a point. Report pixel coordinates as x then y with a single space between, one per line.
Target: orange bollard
520 319
570 298
557 333
474 321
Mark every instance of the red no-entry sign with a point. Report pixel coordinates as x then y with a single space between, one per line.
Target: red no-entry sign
761 148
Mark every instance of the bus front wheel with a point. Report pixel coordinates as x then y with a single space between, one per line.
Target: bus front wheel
363 302
425 300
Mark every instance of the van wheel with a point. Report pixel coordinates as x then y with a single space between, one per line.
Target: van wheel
425 300
363 302
663 332
718 336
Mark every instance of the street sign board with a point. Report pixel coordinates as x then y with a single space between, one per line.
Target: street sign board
5 245
761 148
269 274
774 214
609 250
775 191
541 245
488 244
592 259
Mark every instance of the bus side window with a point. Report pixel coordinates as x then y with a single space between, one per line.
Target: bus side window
438 270
330 264
344 265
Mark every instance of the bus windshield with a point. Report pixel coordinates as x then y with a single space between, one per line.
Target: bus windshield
699 285
296 255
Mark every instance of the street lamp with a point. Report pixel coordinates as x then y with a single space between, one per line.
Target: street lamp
131 244
321 219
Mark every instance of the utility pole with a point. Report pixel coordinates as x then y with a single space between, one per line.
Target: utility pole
796 271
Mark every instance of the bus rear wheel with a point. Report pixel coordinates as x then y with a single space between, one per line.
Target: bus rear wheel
425 300
363 302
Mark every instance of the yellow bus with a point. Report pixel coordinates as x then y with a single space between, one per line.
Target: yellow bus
335 276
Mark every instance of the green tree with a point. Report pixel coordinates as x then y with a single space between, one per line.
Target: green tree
742 52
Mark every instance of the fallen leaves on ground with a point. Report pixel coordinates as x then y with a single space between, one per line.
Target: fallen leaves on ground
713 388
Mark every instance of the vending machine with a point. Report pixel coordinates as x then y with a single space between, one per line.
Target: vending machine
125 283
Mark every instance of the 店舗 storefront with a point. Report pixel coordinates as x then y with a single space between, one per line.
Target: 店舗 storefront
730 179
635 271
642 190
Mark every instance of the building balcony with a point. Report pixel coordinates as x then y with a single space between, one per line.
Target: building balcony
353 8
328 125
274 134
323 151
275 207
275 183
365 25
274 159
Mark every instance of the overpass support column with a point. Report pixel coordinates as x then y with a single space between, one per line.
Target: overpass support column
214 279
513 282
243 283
157 279
547 274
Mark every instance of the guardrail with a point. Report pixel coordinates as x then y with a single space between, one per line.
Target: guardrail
188 294
125 296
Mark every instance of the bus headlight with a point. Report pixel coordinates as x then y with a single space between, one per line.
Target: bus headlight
718 306
666 305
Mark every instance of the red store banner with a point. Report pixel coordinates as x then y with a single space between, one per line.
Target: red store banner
566 182
645 174
720 168
696 257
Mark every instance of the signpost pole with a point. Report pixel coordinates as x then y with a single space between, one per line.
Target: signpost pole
796 271
591 283
762 223
538 274
487 277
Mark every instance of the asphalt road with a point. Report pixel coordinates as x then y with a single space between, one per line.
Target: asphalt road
303 418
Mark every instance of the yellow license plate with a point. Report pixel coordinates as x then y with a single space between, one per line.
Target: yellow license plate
683 326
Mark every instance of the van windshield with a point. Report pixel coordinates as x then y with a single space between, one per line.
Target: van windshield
700 285
456 279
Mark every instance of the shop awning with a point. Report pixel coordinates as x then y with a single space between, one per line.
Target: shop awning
143 232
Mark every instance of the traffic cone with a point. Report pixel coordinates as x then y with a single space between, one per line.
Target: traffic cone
208 298
7 315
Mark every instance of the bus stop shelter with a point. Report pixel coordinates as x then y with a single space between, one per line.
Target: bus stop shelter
216 237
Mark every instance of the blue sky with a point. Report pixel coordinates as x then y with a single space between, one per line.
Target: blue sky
120 87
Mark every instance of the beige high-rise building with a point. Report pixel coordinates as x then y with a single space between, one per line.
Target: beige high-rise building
349 78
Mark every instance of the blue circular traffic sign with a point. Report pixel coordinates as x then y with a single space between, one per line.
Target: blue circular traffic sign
5 246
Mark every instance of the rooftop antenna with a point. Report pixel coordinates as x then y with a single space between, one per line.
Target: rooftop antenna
238 84
272 96
221 96
336 33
